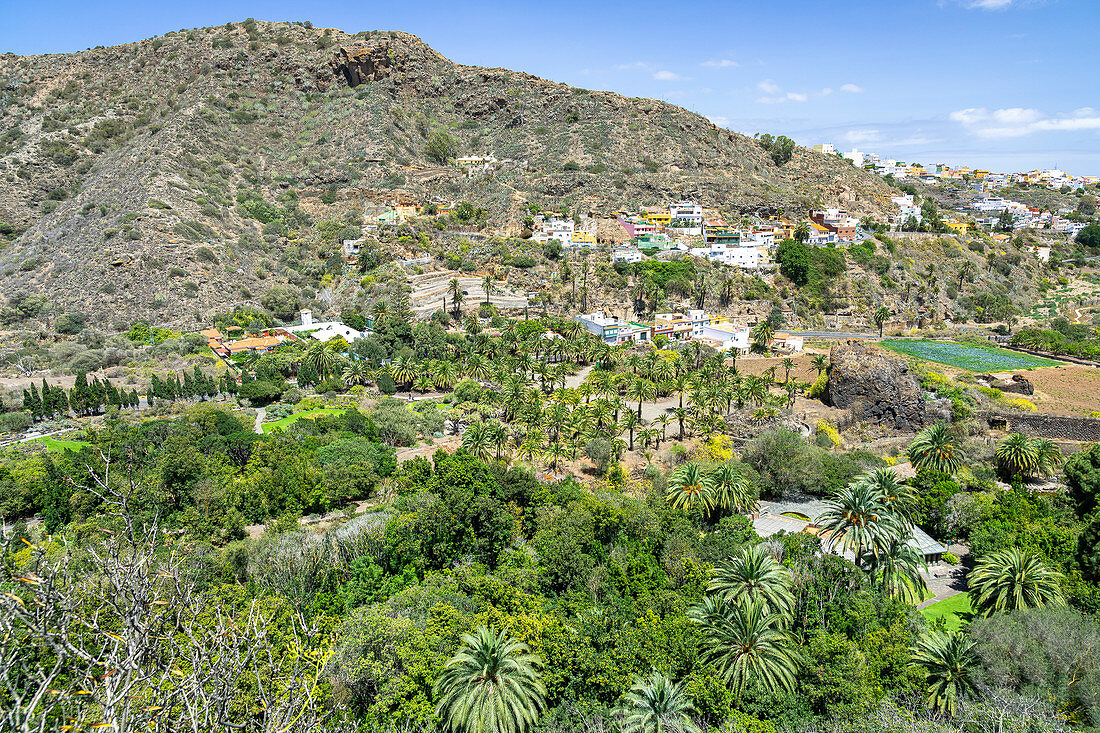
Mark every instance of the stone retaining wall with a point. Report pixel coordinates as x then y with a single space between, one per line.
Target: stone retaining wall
1053 427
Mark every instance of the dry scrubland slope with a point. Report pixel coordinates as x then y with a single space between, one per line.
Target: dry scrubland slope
121 166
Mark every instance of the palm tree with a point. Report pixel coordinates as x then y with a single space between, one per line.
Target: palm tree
746 642
403 371
1012 580
1017 455
967 270
321 358
445 373
422 383
788 365
1050 457
762 335
934 448
820 362
689 486
477 367
881 316
488 286
457 296
357 373
752 576
492 684
897 571
802 232
556 452
657 705
498 436
731 491
945 660
476 440
640 389
630 422
860 518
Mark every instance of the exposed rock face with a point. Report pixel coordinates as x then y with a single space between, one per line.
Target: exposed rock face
1018 383
363 64
874 386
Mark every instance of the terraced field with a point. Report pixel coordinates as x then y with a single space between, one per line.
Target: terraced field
967 356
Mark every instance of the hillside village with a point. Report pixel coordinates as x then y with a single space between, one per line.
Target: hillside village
343 387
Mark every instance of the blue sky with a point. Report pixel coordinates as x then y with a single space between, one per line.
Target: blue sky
1002 84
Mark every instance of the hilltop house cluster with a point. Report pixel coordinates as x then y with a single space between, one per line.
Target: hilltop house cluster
235 341
686 227
694 325
989 180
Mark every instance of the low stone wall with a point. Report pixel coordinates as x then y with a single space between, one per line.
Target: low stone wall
1053 427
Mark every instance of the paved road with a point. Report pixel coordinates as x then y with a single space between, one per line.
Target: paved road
833 334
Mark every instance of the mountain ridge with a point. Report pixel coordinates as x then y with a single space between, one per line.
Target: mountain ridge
123 168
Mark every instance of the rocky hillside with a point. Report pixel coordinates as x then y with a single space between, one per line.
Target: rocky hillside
163 178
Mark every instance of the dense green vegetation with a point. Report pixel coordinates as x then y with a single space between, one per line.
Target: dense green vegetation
640 596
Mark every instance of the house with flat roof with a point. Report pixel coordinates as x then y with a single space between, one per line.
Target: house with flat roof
726 336
773 517
603 326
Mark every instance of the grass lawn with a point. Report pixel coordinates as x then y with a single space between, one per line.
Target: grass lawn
53 445
953 610
968 356
267 427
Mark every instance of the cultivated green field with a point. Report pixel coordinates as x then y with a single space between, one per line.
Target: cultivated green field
267 427
53 445
967 356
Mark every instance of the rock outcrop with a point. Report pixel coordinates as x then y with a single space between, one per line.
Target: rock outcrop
1017 383
874 386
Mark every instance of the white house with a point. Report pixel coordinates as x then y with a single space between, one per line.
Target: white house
907 207
727 335
686 217
559 229
856 157
627 254
325 330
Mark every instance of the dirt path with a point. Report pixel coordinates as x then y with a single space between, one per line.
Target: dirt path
260 415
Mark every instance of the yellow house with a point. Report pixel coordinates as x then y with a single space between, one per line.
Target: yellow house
658 217
406 211
717 320
957 226
583 239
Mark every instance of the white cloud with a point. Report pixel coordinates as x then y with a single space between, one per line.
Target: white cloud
720 63
862 137
1021 121
990 4
797 97
720 120
826 91
666 75
768 87
632 65
851 88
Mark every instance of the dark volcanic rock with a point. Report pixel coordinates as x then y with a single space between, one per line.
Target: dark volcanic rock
874 386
